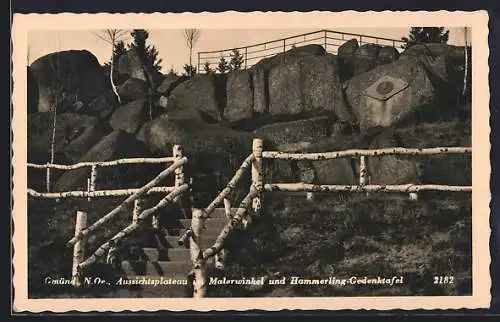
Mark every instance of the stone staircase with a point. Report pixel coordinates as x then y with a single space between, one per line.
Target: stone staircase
163 260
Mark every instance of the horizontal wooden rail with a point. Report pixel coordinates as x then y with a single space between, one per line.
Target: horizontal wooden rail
102 164
101 251
299 187
230 187
129 201
358 153
226 231
97 193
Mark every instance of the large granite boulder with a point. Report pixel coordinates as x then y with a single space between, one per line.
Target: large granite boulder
436 49
203 96
69 79
301 131
364 59
103 105
390 93
133 89
347 49
308 85
116 145
214 152
130 117
239 88
386 55
260 72
170 82
132 65
392 169
75 134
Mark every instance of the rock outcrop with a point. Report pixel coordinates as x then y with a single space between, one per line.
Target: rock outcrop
260 72
116 145
240 96
75 134
132 66
69 79
311 84
301 131
133 89
201 97
390 93
130 117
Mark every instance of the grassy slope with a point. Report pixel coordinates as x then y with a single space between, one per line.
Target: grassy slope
360 235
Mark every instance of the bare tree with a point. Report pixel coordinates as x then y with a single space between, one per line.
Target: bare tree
466 62
191 36
111 36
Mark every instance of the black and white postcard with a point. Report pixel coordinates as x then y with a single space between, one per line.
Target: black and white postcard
235 161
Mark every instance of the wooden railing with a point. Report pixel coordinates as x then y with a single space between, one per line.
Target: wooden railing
135 196
253 199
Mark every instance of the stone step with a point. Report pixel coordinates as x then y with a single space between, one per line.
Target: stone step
171 254
221 212
161 268
206 241
211 223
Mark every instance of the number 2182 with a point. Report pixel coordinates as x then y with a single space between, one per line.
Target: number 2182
444 279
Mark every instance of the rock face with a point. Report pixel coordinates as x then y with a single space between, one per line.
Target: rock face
435 49
75 135
203 94
214 152
67 77
392 169
310 84
285 133
169 83
130 117
116 145
417 94
239 96
260 72
133 89
103 105
131 65
364 59
387 54
347 49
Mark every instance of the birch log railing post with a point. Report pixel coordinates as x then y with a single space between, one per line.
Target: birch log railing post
257 175
137 210
363 171
179 172
195 248
79 248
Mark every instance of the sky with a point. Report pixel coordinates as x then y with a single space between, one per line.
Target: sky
172 47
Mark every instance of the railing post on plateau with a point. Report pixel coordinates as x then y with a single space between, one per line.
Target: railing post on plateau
198 68
326 50
246 57
284 50
257 177
79 248
138 205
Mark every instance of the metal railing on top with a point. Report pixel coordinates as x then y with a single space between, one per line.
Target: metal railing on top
252 54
